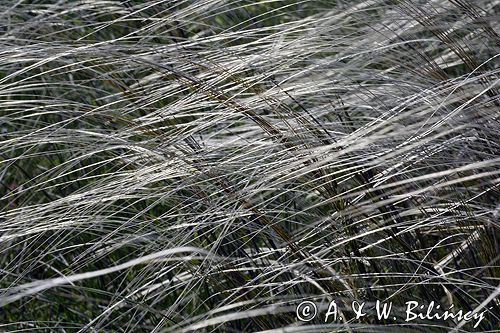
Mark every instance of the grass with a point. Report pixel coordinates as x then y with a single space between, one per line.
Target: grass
206 166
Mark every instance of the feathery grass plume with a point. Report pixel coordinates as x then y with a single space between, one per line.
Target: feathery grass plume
206 166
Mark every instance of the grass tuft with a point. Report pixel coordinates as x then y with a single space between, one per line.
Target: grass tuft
206 166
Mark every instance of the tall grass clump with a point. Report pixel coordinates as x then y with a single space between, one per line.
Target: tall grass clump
206 166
